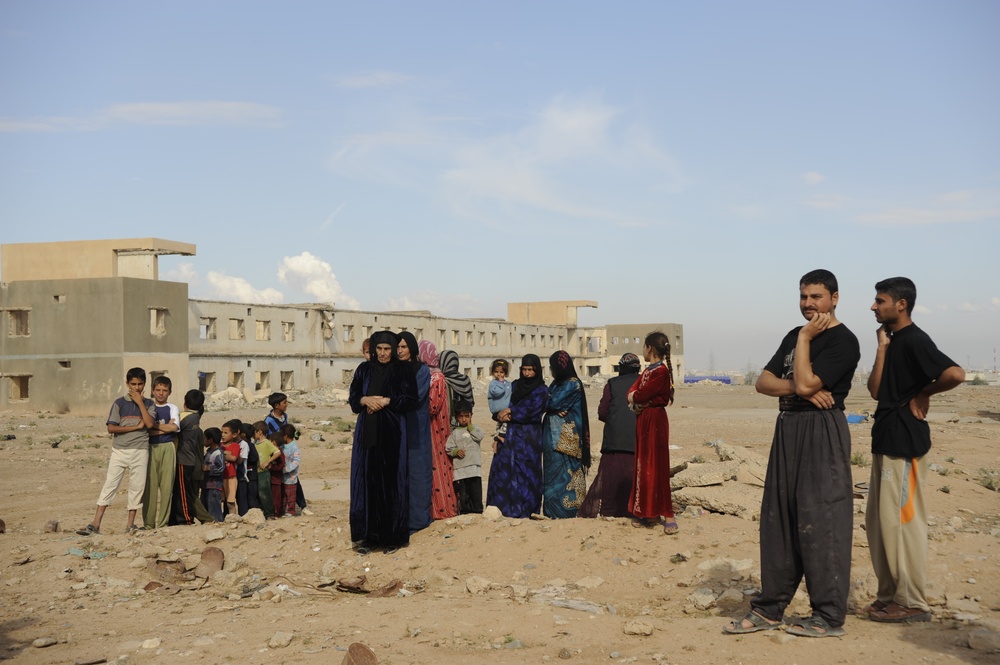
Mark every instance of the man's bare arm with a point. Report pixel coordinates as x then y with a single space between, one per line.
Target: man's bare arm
875 378
950 378
770 385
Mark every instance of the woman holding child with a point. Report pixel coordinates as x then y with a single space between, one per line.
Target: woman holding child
515 484
566 452
444 502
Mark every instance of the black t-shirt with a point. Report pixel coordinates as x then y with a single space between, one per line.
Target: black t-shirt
834 356
912 361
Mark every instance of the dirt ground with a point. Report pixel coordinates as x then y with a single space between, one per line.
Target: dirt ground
472 590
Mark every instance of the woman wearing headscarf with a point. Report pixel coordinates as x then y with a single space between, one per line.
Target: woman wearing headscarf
459 385
515 483
418 434
566 449
444 502
382 392
612 487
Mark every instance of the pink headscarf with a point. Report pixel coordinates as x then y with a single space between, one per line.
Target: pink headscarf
428 353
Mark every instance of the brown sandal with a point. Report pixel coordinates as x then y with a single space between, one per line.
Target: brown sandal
896 613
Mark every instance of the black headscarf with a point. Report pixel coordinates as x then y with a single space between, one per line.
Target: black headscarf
380 373
523 387
411 344
561 366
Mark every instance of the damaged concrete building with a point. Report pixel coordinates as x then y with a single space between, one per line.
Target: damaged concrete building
79 314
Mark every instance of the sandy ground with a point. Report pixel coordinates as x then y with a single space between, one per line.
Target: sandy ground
505 591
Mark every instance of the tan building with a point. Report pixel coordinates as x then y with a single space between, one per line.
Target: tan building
78 315
73 330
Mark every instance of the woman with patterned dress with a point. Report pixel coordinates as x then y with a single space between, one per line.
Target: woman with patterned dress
418 435
444 502
649 397
515 483
566 448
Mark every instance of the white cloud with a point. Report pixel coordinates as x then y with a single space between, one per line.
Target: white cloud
813 178
314 276
825 201
442 304
968 307
375 79
237 289
185 272
928 216
995 302
922 310
154 113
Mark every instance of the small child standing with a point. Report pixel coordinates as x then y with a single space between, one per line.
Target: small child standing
463 448
290 478
214 467
231 433
267 453
498 397
278 474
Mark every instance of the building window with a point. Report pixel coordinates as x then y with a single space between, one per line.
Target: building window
157 321
59 298
263 380
348 333
523 338
468 372
287 380
248 311
65 364
454 337
493 339
154 375
441 338
594 344
206 382
236 330
236 380
552 340
346 376
468 338
614 341
18 323
480 373
18 388
206 327
263 331
418 333
367 330
482 339
532 340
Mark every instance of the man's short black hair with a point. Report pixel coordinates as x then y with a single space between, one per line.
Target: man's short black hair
899 288
820 276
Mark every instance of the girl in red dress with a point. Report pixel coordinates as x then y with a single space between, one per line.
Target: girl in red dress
649 397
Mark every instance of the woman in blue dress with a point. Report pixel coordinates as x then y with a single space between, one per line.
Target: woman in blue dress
418 434
566 451
515 484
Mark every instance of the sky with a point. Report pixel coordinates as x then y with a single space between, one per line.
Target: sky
675 162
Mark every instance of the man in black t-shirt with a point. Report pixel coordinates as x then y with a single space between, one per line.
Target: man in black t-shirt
806 515
908 370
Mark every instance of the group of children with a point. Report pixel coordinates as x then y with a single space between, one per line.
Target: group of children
245 467
162 450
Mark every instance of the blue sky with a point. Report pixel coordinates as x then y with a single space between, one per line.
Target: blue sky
676 162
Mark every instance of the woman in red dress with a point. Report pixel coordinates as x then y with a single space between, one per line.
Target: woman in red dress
649 397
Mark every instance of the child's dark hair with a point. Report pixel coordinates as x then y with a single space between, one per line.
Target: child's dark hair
136 373
194 400
277 438
463 406
660 343
289 431
500 362
260 426
899 288
163 381
247 430
213 434
234 425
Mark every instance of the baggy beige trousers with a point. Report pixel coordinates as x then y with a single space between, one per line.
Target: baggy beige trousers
158 497
896 522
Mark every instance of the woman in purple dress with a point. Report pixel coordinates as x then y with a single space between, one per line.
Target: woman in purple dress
515 483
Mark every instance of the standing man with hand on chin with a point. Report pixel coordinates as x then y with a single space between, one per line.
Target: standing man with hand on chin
908 369
806 515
